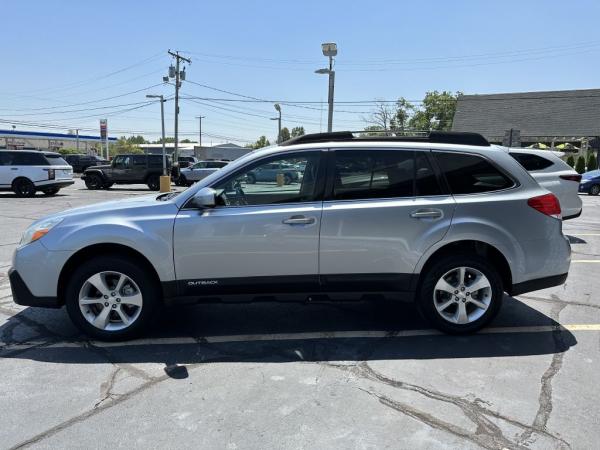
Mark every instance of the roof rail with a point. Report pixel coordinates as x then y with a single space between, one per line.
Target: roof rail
436 137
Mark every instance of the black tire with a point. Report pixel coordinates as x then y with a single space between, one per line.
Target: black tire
425 293
250 179
107 185
23 187
51 191
287 179
594 190
153 182
182 181
149 287
94 181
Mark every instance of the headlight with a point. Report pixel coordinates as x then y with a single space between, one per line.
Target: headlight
38 230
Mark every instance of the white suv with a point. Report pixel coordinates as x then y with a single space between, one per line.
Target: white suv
27 171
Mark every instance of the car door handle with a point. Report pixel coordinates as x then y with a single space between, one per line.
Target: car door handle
299 220
426 214
14 168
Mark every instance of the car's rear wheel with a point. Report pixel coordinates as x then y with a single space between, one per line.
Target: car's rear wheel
182 181
595 189
153 182
111 298
287 179
93 181
23 187
460 293
51 191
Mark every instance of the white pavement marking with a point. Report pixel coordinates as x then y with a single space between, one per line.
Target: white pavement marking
301 336
585 260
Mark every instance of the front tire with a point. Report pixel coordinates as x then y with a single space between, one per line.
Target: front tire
23 187
50 191
460 294
93 181
595 189
111 298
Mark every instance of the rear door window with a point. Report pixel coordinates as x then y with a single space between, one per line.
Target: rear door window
373 174
471 174
530 162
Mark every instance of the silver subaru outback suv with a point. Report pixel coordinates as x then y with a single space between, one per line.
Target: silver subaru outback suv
446 220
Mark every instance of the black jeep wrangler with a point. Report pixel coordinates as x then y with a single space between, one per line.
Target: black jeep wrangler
127 169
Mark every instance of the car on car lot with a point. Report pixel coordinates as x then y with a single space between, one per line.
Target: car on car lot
26 172
127 169
289 173
554 174
198 171
186 161
590 182
447 220
81 162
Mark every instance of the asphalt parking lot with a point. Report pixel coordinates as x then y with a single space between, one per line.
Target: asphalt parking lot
348 375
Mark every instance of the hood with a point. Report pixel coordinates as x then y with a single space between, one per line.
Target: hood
99 166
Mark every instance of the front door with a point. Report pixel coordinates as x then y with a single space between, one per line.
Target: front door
262 237
122 168
384 210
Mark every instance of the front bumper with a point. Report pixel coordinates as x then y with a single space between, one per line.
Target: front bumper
23 296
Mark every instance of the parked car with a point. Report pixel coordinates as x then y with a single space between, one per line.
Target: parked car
269 172
26 172
127 169
590 182
447 221
554 174
198 171
186 161
81 162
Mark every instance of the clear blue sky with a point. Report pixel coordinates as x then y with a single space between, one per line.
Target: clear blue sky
57 54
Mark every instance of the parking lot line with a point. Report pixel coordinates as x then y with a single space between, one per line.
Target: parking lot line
378 334
585 260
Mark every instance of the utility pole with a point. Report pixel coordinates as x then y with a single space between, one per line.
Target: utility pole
177 75
162 121
200 129
77 138
278 119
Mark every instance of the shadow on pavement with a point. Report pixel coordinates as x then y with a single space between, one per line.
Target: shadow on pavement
316 322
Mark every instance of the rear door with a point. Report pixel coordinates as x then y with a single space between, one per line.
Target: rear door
383 210
7 174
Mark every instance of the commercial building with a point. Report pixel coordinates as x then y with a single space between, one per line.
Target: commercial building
35 140
227 152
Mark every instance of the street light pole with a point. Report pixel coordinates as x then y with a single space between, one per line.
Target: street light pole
330 50
77 138
200 129
278 119
162 120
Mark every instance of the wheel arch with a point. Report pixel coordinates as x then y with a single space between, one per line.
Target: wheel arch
21 177
484 249
96 250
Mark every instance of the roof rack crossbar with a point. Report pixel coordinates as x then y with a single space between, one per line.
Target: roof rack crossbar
436 137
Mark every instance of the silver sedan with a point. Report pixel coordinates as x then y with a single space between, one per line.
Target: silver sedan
198 171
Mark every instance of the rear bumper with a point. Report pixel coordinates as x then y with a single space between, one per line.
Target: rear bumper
57 183
537 284
572 216
23 296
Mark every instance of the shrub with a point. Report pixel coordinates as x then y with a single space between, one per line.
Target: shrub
571 161
592 163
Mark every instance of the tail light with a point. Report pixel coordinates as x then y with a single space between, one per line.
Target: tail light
51 174
546 204
576 178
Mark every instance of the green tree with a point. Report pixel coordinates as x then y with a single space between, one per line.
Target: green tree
571 161
401 117
187 141
372 130
592 162
68 151
580 164
124 145
436 112
285 134
136 140
260 143
298 131
168 140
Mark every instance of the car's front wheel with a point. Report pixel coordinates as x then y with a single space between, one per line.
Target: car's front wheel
595 189
110 298
153 182
460 293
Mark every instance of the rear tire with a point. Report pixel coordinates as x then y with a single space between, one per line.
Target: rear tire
93 181
23 187
594 190
448 303
50 191
153 182
81 296
182 181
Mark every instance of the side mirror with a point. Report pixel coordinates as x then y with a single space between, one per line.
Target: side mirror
205 198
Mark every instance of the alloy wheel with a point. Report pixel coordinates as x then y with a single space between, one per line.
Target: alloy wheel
110 301
462 295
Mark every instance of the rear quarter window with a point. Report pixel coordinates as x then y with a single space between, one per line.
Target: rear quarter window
530 162
56 160
471 174
28 159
